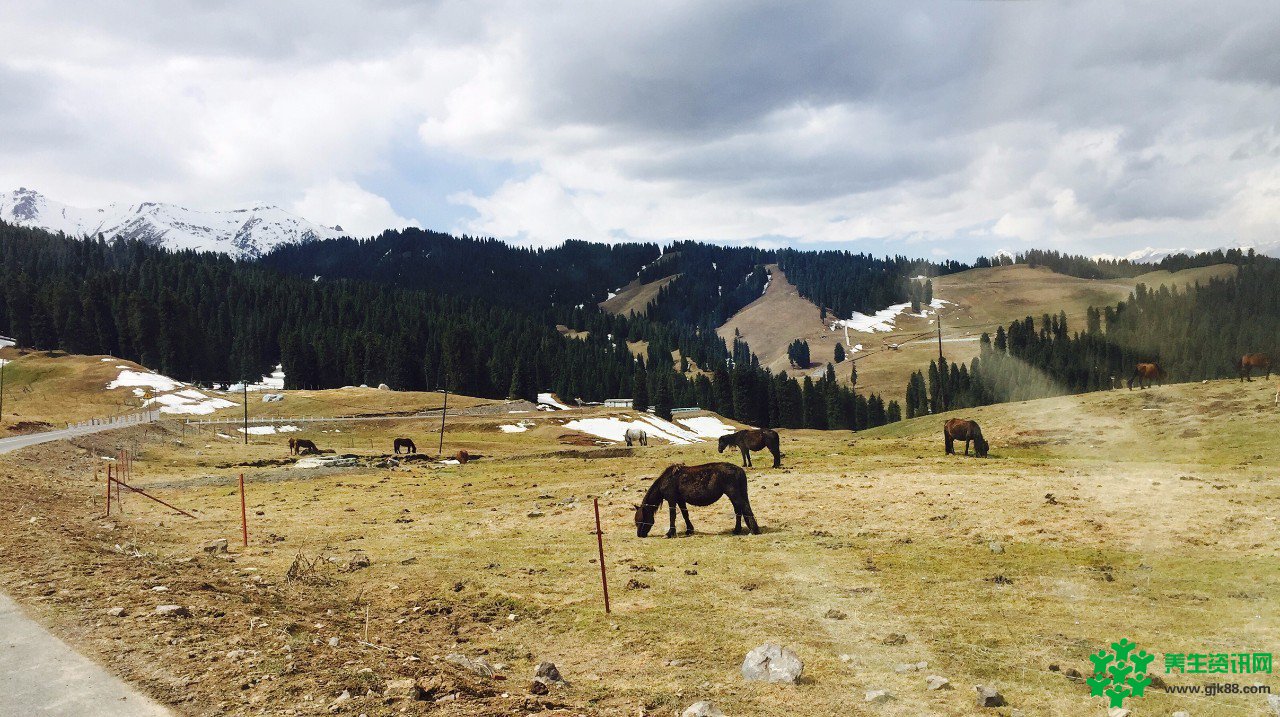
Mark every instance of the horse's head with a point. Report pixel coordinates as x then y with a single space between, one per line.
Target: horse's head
980 446
725 442
644 519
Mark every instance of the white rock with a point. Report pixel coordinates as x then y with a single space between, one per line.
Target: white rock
172 611
937 682
702 708
772 663
877 696
1117 712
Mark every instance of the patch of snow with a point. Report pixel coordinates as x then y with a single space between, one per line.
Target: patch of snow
103 360
269 430
707 426
883 320
272 382
615 429
520 427
154 381
549 399
610 296
223 435
188 402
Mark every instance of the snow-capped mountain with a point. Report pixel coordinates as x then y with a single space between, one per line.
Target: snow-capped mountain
242 233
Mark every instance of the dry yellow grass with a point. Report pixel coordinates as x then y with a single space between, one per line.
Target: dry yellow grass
635 297
1147 515
56 388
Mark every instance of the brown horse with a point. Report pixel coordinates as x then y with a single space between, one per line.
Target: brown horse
1147 374
753 439
462 457
682 485
405 443
293 446
962 429
1249 362
298 446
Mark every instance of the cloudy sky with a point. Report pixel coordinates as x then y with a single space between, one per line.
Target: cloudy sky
943 129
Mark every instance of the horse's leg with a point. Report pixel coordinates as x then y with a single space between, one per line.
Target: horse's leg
743 508
950 443
777 455
746 456
737 523
671 532
684 512
966 445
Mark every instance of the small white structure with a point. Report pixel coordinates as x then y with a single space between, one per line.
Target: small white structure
617 403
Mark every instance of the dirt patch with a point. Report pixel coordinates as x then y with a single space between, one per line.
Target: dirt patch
25 427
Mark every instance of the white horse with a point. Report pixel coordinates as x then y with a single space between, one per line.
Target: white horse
635 435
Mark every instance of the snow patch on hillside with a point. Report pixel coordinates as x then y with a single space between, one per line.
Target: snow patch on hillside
550 399
707 426
129 378
520 427
173 397
884 319
615 429
270 430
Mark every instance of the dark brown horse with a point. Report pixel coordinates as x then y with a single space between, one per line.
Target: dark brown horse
1147 374
1249 362
463 457
298 446
753 439
962 429
406 444
682 486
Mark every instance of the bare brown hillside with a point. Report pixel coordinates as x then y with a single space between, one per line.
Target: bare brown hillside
635 297
978 300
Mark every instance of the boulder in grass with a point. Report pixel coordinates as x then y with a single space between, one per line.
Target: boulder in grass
772 663
702 708
989 697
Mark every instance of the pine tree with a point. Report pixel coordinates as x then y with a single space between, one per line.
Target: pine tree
640 387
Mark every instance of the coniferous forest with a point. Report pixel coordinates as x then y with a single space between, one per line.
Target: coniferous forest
207 318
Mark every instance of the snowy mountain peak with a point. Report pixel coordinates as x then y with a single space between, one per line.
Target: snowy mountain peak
243 233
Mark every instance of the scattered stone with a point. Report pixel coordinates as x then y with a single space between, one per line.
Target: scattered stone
548 672
772 663
937 682
995 547
1118 712
404 689
677 663
911 667
1073 674
989 697
1181 714
634 584
895 638
1054 668
539 686
480 666
383 387
333 642
877 696
834 614
216 546
1273 701
702 708
117 612
535 514
691 572
172 611
358 561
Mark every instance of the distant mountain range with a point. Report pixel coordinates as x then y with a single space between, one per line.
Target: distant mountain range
243 233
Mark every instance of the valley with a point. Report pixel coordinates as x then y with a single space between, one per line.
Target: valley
1139 514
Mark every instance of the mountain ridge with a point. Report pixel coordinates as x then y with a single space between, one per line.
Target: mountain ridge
244 233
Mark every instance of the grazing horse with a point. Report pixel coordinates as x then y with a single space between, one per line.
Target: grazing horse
1248 362
462 457
302 445
406 444
635 435
962 429
753 439
1147 374
682 485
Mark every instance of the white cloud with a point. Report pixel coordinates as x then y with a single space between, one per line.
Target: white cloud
360 213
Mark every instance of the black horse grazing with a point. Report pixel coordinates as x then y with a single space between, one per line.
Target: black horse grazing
406 444
682 485
962 429
302 445
753 439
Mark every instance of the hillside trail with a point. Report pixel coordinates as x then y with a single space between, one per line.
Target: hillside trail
40 674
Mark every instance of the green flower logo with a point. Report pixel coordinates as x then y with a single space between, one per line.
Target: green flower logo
1120 673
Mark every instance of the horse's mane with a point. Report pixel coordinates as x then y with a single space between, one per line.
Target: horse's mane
654 496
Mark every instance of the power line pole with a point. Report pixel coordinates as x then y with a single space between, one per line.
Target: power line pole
2 365
443 412
245 385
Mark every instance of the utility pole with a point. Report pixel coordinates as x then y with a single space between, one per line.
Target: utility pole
245 385
443 412
2 365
